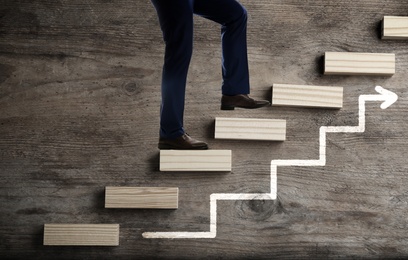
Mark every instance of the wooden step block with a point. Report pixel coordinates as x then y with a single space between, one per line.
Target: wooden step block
354 63
81 234
307 96
395 28
141 197
195 160
250 129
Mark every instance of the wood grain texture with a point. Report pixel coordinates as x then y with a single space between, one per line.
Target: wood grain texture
354 63
395 28
307 96
141 197
79 111
202 161
250 129
81 234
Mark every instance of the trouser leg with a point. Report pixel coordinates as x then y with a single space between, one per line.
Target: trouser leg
233 19
176 22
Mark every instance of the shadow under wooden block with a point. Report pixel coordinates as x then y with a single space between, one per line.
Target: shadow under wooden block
394 28
250 129
307 96
81 234
354 63
141 197
195 160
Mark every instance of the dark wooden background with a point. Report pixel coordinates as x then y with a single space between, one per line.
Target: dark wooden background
79 110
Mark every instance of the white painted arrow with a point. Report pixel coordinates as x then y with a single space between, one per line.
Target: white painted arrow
388 99
386 95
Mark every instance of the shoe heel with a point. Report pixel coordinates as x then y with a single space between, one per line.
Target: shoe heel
165 147
224 107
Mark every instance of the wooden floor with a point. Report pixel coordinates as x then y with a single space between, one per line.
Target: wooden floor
79 111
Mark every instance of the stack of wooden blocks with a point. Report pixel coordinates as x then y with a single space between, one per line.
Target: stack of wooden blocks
336 63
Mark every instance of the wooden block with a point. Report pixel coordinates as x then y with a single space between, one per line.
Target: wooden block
354 63
395 28
141 197
81 234
250 129
307 96
195 160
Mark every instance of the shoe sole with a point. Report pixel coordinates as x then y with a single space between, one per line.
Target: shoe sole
227 108
232 108
170 147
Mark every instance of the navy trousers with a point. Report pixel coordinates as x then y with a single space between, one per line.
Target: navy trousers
176 22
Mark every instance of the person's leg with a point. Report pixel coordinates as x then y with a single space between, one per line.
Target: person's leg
176 22
233 19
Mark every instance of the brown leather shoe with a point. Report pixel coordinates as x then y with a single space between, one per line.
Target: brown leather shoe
243 101
184 142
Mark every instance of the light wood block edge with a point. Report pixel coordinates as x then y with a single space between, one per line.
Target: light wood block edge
349 64
198 161
81 234
318 96
250 129
141 197
391 31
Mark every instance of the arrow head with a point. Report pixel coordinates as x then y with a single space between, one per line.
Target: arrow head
389 97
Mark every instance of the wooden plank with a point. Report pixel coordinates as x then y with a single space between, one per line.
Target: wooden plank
191 160
81 234
354 63
141 197
250 129
307 96
395 28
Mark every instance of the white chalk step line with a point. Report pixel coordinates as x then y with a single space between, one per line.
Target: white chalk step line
213 216
384 95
